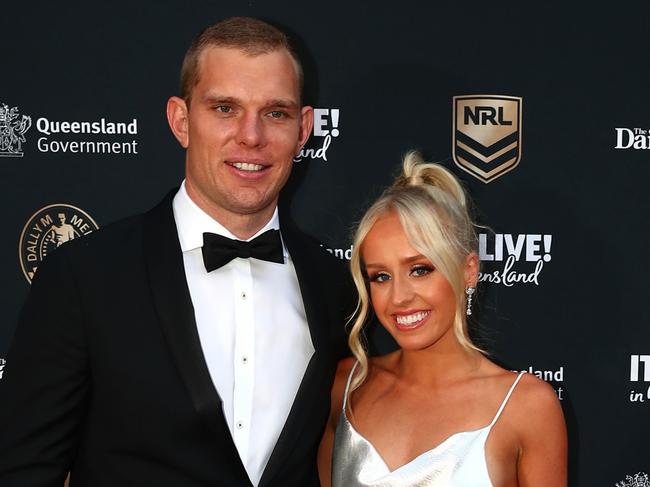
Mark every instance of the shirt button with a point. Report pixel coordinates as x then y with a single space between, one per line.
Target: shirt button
244 359
243 295
240 425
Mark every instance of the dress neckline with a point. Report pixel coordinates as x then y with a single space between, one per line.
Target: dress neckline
476 432
440 445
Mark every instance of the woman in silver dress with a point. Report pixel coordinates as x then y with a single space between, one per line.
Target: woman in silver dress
436 412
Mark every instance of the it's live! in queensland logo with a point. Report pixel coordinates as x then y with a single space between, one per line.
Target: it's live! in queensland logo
519 258
640 378
326 128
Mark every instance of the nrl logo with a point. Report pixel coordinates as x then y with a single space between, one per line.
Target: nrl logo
12 131
639 480
487 134
48 229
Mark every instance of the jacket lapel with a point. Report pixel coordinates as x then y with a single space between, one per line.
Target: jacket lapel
172 301
309 396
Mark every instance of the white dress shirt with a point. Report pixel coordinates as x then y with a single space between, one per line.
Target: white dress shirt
253 330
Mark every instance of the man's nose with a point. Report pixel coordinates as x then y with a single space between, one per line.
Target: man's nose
251 130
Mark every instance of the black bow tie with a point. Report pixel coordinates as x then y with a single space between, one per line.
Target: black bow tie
218 250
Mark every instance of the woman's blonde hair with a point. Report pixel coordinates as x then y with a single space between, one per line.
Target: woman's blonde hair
432 207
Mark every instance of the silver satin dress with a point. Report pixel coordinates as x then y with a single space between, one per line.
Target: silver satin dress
459 461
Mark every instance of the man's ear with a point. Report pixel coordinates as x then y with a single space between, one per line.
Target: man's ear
177 117
471 269
306 125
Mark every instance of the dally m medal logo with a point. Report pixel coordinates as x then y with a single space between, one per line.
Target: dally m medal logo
12 131
49 228
487 134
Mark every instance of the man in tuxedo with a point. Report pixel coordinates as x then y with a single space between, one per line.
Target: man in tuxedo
195 344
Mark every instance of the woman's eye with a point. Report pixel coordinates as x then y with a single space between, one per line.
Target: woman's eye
421 270
379 277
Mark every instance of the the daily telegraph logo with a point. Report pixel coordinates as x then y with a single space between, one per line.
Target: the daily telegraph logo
638 480
13 127
326 127
640 377
49 228
632 138
523 257
487 134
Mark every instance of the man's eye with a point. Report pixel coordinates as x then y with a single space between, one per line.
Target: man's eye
223 108
379 277
277 114
421 270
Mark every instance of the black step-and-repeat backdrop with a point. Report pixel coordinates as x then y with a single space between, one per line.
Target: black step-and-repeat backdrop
542 111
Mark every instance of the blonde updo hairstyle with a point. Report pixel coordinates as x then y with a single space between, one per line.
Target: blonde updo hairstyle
433 209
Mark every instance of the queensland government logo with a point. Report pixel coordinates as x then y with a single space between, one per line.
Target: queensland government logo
487 134
12 131
49 228
96 136
638 480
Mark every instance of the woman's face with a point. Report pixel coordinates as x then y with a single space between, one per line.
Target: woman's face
412 299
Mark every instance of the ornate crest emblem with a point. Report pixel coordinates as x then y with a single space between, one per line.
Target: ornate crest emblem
12 131
49 228
639 480
487 134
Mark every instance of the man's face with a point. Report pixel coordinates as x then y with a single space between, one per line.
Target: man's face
242 129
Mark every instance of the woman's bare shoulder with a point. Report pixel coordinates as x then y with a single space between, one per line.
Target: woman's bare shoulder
530 395
536 394
538 421
536 409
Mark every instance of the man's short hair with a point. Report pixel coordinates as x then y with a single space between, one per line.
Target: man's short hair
249 35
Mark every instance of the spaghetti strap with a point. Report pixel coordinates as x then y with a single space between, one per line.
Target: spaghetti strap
505 401
347 385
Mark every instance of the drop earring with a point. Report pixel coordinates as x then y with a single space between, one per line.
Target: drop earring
469 291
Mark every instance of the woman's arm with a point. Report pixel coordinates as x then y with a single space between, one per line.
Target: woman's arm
543 456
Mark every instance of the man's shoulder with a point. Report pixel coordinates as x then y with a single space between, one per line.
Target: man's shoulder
115 235
117 238
318 252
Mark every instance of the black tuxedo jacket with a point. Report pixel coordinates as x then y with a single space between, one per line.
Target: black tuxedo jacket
106 375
